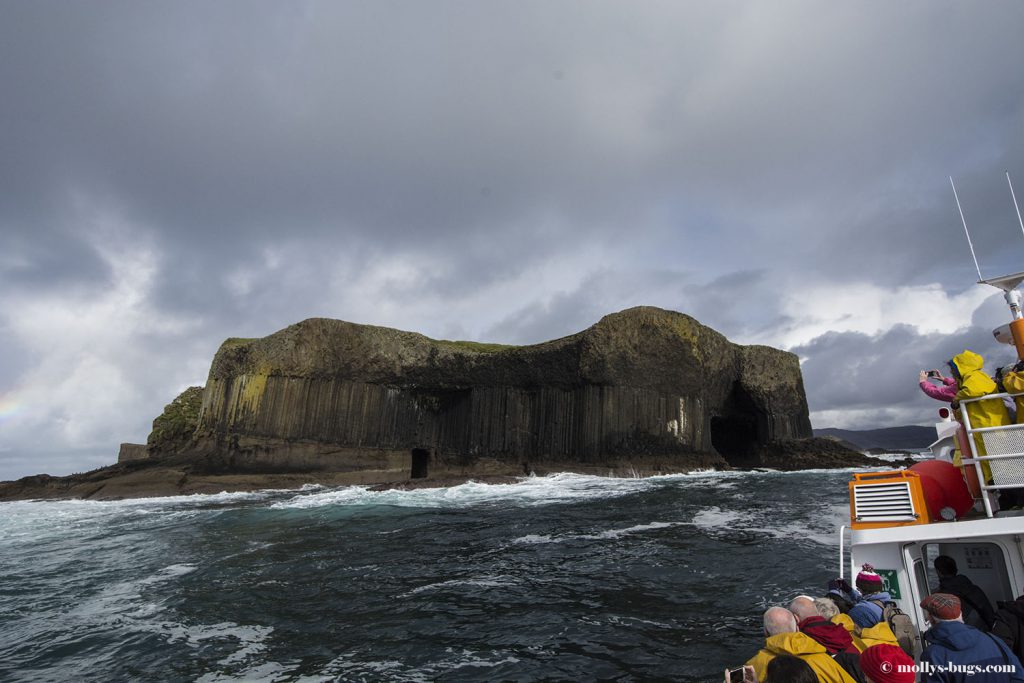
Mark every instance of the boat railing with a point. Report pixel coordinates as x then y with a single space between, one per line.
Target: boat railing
1002 447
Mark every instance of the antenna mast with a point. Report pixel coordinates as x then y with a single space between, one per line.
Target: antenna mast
1012 194
964 221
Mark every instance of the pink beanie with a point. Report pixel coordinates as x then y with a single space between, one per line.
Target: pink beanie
868 581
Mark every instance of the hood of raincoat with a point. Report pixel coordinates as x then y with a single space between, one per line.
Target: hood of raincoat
973 382
834 637
793 644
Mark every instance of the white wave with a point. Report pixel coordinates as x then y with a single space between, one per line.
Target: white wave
815 526
527 491
534 539
345 664
250 641
610 534
471 660
168 573
618 533
123 607
714 517
483 582
266 672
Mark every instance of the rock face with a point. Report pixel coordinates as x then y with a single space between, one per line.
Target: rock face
645 388
130 452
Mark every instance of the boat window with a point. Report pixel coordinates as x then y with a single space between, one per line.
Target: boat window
983 563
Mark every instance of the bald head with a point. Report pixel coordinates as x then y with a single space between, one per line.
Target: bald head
803 607
779 620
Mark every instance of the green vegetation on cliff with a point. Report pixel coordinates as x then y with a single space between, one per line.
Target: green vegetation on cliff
173 429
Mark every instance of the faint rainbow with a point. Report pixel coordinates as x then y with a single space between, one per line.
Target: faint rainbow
10 406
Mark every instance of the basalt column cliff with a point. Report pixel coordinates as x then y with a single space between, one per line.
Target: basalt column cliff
643 390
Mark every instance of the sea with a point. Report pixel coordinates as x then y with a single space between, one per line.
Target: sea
557 578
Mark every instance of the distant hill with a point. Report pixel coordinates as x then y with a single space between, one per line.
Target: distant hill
897 438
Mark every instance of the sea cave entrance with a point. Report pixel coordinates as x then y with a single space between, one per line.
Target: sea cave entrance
420 460
734 432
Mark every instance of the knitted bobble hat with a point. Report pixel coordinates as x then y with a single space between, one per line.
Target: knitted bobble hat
868 581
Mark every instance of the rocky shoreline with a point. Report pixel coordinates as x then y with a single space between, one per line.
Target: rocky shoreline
148 479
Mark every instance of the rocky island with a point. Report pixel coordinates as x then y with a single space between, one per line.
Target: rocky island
644 391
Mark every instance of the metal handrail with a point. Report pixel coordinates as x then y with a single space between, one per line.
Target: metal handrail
976 459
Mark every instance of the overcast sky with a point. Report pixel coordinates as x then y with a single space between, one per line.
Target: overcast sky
175 173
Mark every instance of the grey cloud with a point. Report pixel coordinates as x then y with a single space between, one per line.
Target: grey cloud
718 304
878 374
700 157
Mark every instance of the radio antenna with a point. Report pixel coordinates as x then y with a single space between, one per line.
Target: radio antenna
1015 205
966 231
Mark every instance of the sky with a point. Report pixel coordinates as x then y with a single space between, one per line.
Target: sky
176 173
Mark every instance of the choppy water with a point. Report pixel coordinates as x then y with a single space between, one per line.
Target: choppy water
565 577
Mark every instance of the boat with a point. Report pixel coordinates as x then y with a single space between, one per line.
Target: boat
901 520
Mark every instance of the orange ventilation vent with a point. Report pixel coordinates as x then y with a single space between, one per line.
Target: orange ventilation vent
883 499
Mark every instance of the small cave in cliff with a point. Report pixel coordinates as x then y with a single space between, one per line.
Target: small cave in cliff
420 461
734 432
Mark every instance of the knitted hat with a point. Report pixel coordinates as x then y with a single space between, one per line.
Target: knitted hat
885 663
868 581
942 606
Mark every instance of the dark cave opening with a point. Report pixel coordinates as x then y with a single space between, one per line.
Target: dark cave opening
420 460
734 432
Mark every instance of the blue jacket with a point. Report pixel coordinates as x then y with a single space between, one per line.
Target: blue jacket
866 614
951 642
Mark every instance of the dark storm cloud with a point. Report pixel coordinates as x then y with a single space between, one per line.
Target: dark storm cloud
184 172
219 128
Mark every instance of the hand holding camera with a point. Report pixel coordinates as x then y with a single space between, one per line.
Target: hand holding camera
743 674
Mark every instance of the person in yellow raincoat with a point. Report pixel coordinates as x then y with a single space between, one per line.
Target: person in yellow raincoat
1013 382
782 637
863 638
973 382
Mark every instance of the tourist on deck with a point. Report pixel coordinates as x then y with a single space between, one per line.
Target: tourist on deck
826 607
949 641
863 638
834 637
783 638
837 640
945 391
790 669
977 609
887 664
1010 625
842 594
971 382
868 611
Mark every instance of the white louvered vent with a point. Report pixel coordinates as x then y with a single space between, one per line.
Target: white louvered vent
883 503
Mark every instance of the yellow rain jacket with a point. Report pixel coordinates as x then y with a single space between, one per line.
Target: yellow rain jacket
972 382
863 638
804 647
1013 382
